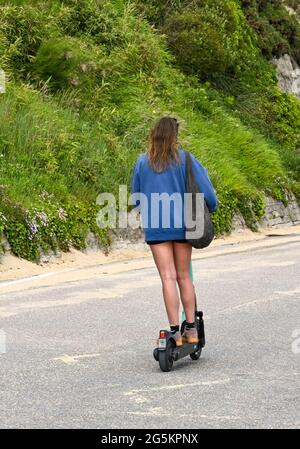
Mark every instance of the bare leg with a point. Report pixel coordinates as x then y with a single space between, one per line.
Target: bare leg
164 260
182 259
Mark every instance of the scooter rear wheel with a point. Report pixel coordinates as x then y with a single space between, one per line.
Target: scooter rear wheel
165 358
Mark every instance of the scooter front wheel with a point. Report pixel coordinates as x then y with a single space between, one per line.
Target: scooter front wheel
196 355
165 357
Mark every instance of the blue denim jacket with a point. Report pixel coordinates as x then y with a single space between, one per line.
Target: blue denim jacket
170 181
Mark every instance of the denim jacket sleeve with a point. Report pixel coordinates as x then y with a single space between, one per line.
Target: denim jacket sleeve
205 185
135 181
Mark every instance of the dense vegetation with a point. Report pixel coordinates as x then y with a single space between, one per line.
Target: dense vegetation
86 80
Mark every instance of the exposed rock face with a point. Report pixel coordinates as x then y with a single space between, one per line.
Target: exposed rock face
238 222
123 238
292 11
288 75
277 214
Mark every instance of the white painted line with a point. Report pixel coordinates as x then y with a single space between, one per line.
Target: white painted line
70 359
259 302
178 386
158 411
35 277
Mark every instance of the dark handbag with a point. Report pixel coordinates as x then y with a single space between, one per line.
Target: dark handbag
204 222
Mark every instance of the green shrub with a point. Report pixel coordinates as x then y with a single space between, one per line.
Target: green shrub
210 38
101 21
47 225
278 31
66 63
22 29
286 113
222 218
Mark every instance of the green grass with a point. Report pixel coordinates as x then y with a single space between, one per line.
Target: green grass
74 140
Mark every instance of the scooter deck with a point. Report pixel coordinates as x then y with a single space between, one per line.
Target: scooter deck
184 350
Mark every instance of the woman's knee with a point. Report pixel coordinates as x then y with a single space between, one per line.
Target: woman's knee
169 276
183 277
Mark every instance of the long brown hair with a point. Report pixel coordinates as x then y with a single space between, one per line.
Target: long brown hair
162 143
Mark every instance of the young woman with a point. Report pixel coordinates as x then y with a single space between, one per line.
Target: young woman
161 170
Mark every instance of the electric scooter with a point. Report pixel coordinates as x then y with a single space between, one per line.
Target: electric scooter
167 352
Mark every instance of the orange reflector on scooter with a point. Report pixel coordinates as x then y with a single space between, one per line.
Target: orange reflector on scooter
162 334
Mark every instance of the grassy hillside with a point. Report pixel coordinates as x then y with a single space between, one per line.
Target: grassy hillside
86 80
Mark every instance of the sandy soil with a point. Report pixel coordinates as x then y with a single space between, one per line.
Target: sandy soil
12 267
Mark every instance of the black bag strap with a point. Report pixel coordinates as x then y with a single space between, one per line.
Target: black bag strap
189 173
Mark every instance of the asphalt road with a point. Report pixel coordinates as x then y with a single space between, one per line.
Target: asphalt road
79 354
